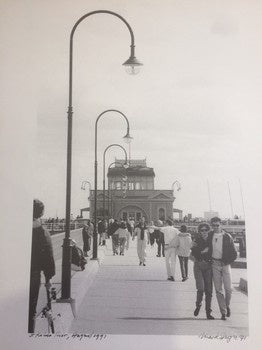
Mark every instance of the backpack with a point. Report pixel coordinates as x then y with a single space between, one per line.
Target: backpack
78 258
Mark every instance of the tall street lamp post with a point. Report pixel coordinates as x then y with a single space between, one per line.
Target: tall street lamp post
132 66
108 186
104 161
127 137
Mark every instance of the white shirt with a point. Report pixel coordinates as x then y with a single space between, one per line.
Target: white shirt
170 234
217 245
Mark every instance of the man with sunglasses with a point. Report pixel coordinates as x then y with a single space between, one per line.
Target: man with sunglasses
223 254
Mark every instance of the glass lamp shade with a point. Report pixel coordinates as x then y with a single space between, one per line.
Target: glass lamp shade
127 138
132 65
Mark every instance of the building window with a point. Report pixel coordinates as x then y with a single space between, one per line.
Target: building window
131 186
161 214
138 187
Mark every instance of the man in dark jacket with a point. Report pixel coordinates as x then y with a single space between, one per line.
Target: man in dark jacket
111 230
42 259
223 254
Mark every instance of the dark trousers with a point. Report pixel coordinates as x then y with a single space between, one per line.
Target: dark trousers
87 243
35 280
159 245
151 238
183 266
203 277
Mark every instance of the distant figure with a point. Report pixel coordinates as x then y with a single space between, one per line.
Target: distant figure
87 235
42 259
183 251
141 232
86 241
151 238
223 254
112 233
132 223
160 241
201 252
130 232
101 228
122 233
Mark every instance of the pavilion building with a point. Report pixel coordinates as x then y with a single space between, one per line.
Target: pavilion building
130 193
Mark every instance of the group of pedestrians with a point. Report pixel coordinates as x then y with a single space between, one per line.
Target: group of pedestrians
212 252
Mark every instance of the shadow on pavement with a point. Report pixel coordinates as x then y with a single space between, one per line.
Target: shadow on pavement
163 318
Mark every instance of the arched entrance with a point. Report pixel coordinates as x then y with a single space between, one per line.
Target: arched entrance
131 211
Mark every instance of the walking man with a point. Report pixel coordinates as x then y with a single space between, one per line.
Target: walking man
141 232
171 244
160 240
223 254
42 260
112 232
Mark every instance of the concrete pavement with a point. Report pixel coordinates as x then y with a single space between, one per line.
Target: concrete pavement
124 298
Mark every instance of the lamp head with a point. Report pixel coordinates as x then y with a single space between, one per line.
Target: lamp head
127 138
126 165
132 65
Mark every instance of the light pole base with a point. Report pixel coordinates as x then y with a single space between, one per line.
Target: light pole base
70 301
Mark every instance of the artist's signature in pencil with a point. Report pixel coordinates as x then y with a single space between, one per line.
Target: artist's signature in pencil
227 338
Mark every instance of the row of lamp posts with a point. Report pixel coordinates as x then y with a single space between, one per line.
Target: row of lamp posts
132 66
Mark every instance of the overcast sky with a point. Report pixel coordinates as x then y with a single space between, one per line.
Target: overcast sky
189 108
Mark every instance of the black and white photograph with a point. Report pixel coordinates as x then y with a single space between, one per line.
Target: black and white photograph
131 156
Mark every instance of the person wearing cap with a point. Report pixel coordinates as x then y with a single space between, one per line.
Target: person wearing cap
171 244
223 254
42 260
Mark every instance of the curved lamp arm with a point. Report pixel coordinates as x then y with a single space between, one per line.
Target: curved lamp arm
104 155
127 136
84 183
131 62
178 185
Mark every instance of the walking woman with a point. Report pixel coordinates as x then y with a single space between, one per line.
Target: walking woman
183 251
201 252
122 233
